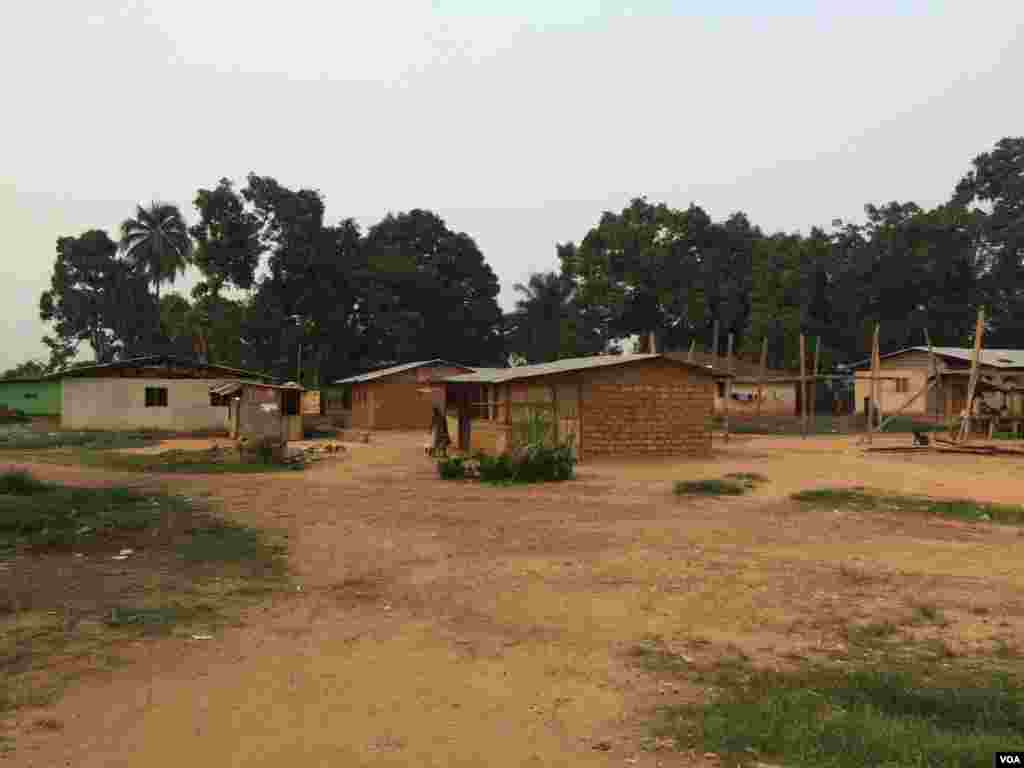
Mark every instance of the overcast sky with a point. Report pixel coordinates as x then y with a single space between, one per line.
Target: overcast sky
518 124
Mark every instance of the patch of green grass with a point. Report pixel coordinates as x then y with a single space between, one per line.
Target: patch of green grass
750 478
710 487
655 658
867 633
926 613
19 482
221 541
39 516
839 718
183 462
26 439
862 499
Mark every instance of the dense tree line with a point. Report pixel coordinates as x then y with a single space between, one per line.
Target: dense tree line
282 287
681 275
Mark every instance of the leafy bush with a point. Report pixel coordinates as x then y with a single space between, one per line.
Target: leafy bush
539 463
496 469
709 488
452 468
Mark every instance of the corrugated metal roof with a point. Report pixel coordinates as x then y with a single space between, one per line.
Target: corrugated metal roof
380 373
499 375
230 387
147 360
995 358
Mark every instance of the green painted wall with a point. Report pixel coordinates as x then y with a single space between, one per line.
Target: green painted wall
34 398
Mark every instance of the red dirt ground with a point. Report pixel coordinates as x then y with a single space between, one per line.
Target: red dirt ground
453 624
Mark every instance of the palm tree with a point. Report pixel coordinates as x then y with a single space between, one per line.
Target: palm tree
540 319
157 241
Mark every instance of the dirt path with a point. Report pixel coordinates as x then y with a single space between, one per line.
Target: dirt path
443 624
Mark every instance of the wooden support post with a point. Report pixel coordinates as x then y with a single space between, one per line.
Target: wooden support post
812 397
803 386
760 377
554 413
653 344
579 418
728 388
979 331
872 405
714 345
935 373
689 355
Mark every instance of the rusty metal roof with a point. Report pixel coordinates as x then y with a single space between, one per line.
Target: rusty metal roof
568 365
380 373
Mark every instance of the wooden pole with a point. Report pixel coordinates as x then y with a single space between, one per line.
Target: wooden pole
875 363
714 344
760 377
579 418
653 344
689 355
728 388
813 386
979 330
935 373
803 386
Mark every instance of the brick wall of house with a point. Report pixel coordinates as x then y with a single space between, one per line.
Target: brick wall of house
653 408
395 402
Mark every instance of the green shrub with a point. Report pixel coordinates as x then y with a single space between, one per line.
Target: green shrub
539 463
496 469
452 468
709 488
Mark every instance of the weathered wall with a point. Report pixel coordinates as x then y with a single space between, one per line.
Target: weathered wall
311 402
400 406
913 368
33 398
653 407
112 403
395 402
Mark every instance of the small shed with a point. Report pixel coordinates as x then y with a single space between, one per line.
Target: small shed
641 404
256 410
400 396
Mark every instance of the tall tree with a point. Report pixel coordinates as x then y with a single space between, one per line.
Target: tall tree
228 244
315 295
438 288
548 324
158 242
97 297
995 186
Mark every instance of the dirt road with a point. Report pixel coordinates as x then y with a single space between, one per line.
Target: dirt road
451 624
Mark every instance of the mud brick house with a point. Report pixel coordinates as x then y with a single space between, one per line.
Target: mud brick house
641 404
905 371
160 392
400 397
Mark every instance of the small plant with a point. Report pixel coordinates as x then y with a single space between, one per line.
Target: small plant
452 468
962 509
709 488
498 470
930 614
747 478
